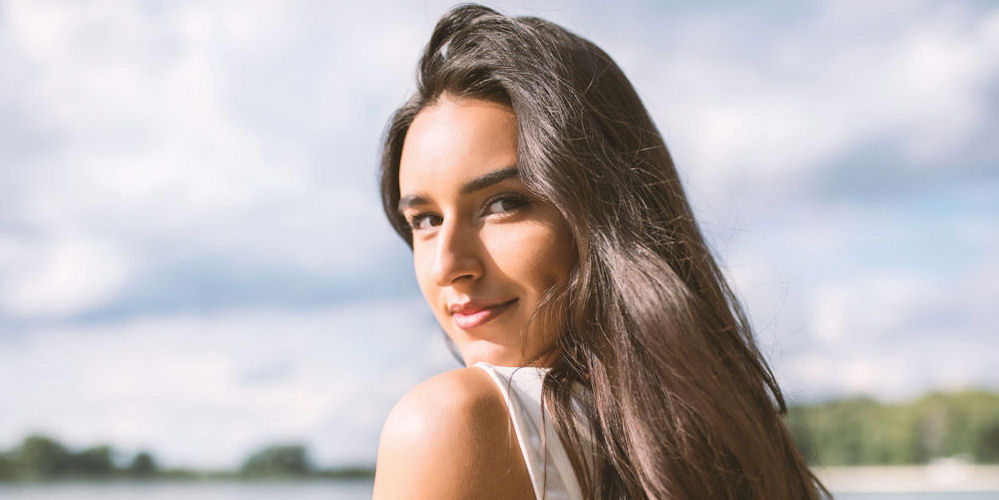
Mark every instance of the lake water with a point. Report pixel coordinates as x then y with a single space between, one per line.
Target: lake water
928 495
189 490
307 490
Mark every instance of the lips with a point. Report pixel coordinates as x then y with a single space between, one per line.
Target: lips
474 313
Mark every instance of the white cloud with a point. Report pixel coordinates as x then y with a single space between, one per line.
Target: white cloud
867 308
59 276
894 335
149 151
904 371
206 390
889 300
746 113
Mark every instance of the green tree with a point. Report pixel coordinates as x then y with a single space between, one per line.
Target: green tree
8 466
859 431
142 465
42 457
277 460
95 461
987 448
799 424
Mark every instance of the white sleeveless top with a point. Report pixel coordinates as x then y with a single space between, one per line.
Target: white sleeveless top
547 463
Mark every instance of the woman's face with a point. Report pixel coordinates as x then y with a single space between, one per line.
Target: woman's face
485 251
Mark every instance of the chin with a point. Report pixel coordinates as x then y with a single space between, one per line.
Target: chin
494 354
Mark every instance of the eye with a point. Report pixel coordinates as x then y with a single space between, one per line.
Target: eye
421 222
507 202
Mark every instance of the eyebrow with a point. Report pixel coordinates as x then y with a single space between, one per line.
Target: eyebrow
476 184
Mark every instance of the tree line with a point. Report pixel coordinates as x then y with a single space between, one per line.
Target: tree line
852 431
862 431
40 458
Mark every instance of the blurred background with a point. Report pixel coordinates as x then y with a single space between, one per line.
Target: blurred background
194 264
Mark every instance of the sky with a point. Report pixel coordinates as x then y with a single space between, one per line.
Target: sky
193 258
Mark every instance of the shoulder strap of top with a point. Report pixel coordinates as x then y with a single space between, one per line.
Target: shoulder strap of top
547 462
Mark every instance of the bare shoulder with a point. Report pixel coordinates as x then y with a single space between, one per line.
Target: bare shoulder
451 437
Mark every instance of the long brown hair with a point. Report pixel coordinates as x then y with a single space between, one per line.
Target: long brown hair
676 399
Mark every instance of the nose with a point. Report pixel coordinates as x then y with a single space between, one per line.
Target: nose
457 258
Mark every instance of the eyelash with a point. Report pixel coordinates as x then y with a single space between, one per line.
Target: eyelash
519 202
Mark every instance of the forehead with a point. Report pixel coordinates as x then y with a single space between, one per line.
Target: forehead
455 140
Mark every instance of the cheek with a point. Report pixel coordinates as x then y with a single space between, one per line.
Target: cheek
537 255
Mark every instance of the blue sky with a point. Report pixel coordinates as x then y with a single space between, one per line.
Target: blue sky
193 258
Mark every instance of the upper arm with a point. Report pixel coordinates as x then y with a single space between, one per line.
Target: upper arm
451 437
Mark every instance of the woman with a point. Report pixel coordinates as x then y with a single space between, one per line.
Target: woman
606 355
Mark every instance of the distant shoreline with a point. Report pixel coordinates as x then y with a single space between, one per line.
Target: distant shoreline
943 476
207 476
937 477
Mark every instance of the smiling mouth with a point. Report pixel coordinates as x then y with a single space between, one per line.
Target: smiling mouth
470 319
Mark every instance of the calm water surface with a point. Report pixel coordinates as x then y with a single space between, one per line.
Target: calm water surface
304 490
190 490
930 495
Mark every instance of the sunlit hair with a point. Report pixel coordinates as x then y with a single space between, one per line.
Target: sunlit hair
677 398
